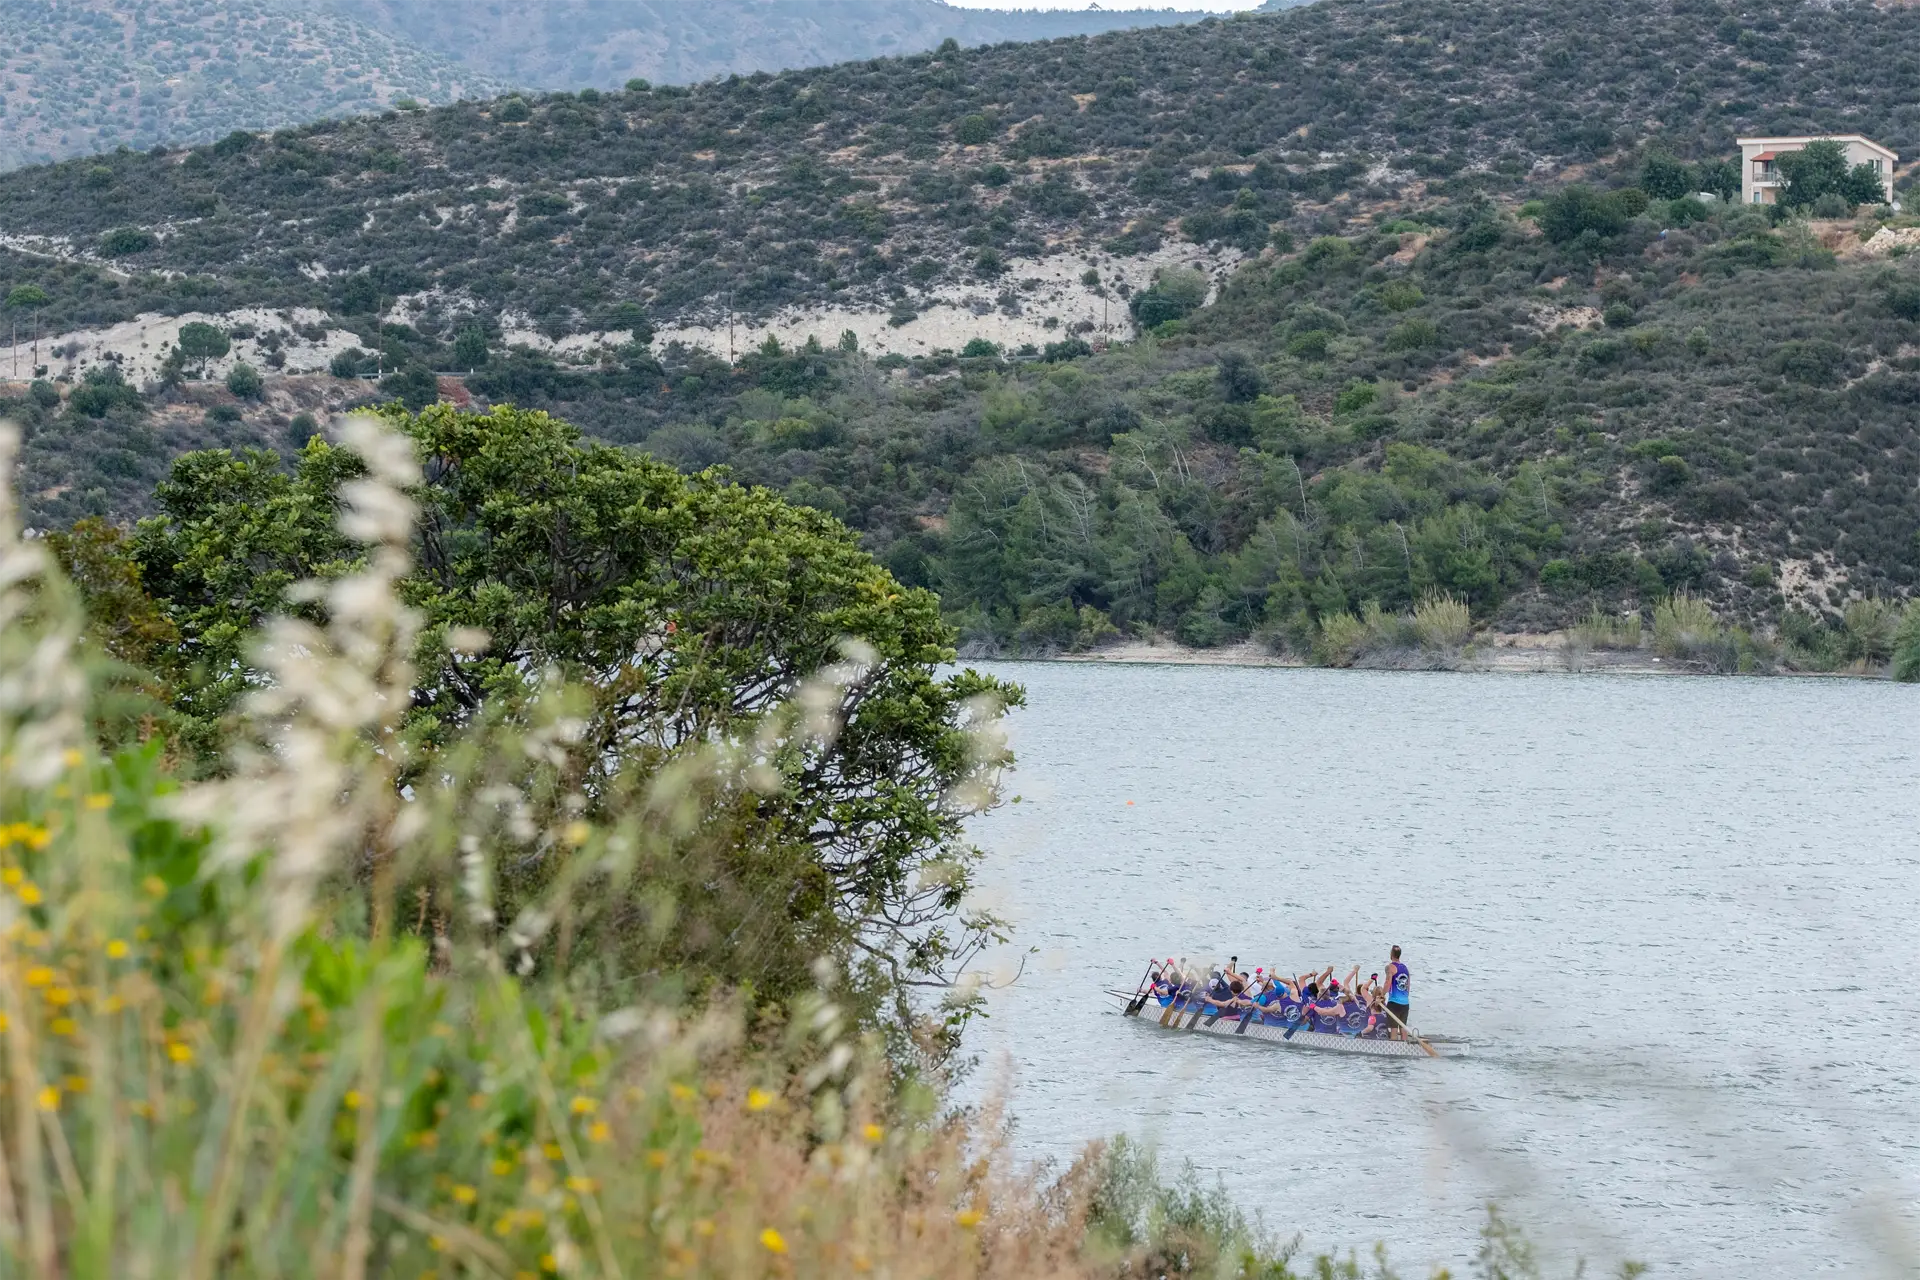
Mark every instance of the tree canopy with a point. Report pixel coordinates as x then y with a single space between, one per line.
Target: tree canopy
1820 169
690 607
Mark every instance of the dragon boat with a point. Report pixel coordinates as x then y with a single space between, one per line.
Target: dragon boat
1279 1023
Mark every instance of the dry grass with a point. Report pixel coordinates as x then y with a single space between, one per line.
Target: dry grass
1600 630
1442 621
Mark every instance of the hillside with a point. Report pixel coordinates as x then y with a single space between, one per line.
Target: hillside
1443 340
78 76
571 44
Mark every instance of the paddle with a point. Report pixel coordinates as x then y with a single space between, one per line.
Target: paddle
1140 992
1431 1053
1173 1001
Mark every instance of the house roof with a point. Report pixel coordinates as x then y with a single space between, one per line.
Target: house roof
1767 155
1778 143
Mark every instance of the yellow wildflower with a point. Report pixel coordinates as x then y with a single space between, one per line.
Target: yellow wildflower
464 1194
581 1185
501 1168
703 1226
29 894
758 1099
437 1244
680 1092
59 996
968 1217
872 1132
12 876
155 886
49 1099
75 1084
598 1131
37 838
658 1159
99 800
577 833
552 1151
772 1241
583 1106
3 1022
180 1051
548 1264
116 950
71 757
64 1027
39 976
351 1100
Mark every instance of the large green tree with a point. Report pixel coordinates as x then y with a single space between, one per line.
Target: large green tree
1820 169
691 608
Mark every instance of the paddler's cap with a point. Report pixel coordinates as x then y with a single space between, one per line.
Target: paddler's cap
1259 970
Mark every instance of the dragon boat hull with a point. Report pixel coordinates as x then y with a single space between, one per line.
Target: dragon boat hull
1271 1028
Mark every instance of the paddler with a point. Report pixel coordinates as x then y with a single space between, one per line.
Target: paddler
1399 995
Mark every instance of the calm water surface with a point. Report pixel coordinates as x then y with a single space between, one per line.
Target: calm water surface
1676 917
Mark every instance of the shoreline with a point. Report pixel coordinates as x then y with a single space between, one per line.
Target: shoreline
1525 653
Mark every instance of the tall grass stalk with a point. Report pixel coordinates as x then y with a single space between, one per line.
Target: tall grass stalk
1906 644
1683 626
1442 621
1599 630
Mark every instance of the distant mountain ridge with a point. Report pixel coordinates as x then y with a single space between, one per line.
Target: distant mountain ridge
83 76
79 76
572 44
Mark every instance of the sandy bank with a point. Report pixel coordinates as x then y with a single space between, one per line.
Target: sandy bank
1509 653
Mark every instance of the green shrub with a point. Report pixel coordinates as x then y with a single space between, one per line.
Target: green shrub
1413 335
244 380
124 241
1578 210
202 341
1355 397
1311 345
972 130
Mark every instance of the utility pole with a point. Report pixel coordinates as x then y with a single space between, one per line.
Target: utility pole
730 356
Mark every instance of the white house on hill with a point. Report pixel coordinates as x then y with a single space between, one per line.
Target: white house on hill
1761 178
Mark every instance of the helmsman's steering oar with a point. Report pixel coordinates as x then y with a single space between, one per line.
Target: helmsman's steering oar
1430 1051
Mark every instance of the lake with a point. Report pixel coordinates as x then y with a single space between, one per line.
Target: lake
1676 916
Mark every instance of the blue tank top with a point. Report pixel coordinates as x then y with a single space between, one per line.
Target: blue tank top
1399 984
